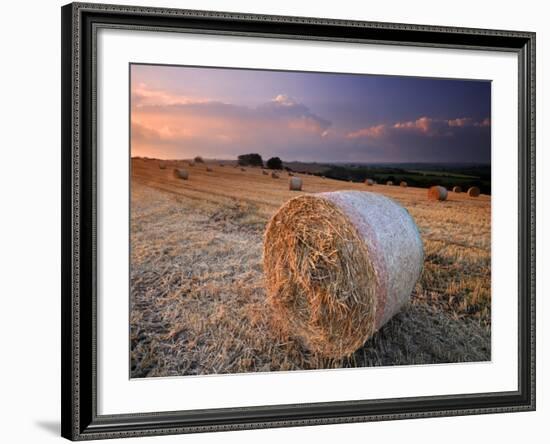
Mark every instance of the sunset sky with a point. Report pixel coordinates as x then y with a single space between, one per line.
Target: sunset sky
181 112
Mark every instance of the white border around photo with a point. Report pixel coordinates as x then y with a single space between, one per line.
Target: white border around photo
117 393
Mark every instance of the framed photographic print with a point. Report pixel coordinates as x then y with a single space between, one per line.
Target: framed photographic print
279 221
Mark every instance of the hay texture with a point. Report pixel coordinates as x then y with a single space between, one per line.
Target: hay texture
180 173
274 176
389 182
403 184
369 182
437 193
338 266
295 184
457 189
473 192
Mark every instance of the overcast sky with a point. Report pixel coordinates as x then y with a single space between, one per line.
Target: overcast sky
181 112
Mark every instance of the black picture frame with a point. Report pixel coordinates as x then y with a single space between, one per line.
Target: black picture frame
79 170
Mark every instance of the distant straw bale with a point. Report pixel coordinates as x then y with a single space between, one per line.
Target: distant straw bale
208 169
180 173
162 165
473 192
403 184
369 182
290 174
274 176
338 266
265 173
243 169
457 189
437 193
389 182
295 184
191 164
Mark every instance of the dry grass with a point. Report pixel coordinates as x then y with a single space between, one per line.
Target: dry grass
198 304
321 281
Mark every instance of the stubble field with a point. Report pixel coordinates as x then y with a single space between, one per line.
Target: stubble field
197 301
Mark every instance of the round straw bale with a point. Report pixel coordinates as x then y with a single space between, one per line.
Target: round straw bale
290 174
265 173
338 266
162 165
457 189
473 192
437 193
274 175
180 173
243 169
295 184
389 182
369 182
208 169
403 184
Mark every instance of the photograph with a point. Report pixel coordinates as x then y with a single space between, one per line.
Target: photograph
295 220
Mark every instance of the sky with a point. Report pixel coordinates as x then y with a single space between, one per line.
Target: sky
182 112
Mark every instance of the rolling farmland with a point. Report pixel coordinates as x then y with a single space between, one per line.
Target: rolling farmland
198 304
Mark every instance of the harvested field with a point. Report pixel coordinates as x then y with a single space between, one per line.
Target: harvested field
198 304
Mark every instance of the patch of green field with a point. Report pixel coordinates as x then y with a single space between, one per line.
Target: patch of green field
442 173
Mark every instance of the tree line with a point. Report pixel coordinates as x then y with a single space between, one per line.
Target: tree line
254 159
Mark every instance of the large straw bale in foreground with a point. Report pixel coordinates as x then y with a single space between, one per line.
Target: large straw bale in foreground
437 193
180 173
473 192
338 266
295 184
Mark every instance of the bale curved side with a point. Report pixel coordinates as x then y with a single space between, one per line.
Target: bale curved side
403 184
437 193
295 184
180 173
457 189
369 182
473 192
338 266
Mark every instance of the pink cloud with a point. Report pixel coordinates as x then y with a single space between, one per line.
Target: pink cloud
427 126
143 95
373 131
179 123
